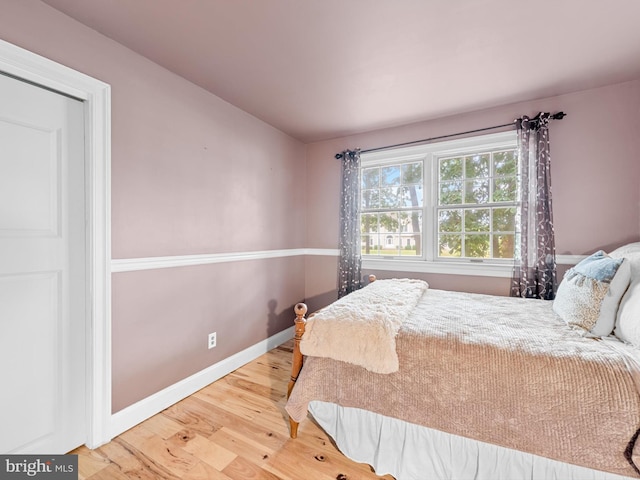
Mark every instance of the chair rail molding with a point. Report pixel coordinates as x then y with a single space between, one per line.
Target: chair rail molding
149 263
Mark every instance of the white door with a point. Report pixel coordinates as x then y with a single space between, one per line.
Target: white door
42 270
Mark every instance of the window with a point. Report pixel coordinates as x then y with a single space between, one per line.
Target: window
391 208
448 203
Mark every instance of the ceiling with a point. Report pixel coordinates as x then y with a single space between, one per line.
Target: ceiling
319 69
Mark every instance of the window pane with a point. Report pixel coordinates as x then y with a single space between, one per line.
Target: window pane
505 163
503 246
477 246
372 247
476 191
450 221
449 245
365 240
371 177
390 197
477 166
505 189
477 220
389 222
412 196
412 173
390 246
450 193
410 222
410 245
370 199
411 227
450 169
391 175
369 222
369 230
504 219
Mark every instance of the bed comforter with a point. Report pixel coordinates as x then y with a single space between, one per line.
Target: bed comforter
500 370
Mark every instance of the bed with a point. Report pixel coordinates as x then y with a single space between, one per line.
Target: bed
457 385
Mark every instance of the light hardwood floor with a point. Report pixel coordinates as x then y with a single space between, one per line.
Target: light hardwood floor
234 429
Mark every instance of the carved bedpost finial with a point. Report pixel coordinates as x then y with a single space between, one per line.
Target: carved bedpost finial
372 278
300 310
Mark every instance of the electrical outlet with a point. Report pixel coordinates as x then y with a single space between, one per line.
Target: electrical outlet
212 340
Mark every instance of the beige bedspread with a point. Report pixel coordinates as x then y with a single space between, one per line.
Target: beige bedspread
500 370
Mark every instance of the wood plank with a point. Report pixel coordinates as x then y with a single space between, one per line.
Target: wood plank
242 425
241 469
163 426
250 405
112 472
203 471
274 390
90 462
194 414
245 446
133 463
210 452
165 454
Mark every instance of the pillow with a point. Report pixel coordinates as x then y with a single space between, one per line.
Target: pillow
628 317
625 250
589 294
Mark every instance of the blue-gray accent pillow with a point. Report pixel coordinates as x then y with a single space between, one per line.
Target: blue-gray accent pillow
599 266
589 294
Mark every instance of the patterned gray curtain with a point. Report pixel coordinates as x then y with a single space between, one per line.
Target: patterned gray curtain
534 272
350 256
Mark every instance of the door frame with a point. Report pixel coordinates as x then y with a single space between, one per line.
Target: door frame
96 97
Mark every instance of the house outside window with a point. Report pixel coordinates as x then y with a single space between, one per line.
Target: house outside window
449 207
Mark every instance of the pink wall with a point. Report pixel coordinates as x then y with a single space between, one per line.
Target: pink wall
595 179
163 328
191 174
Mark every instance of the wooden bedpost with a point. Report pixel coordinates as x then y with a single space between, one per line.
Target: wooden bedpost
300 310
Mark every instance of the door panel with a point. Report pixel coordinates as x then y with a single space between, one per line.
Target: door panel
42 270
29 180
33 371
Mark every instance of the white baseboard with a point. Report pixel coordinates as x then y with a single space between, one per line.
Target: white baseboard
140 411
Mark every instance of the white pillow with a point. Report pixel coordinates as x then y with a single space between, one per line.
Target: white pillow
611 303
625 250
628 317
589 294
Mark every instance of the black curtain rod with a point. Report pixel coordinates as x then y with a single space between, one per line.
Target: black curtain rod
555 116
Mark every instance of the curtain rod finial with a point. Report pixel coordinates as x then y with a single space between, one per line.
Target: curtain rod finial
338 156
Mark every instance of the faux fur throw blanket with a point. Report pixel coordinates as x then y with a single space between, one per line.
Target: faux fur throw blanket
361 328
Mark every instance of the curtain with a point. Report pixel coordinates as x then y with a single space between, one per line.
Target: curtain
534 272
350 256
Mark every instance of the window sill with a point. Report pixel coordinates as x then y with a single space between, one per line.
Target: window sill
480 269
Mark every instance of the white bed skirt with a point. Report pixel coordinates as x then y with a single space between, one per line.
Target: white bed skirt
412 452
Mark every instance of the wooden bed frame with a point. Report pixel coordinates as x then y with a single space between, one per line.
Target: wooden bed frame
300 322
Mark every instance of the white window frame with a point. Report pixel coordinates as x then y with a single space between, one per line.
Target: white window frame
429 154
